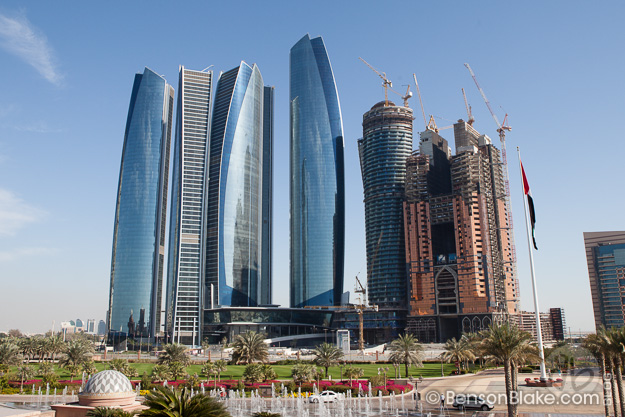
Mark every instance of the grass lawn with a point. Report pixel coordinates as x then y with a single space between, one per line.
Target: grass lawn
283 371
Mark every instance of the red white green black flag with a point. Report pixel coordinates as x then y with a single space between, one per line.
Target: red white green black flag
530 203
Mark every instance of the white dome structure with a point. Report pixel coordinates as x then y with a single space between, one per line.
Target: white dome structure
107 388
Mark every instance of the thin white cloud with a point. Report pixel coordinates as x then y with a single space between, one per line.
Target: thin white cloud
38 127
19 37
12 255
15 213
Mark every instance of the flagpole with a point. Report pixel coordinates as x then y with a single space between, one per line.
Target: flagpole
539 335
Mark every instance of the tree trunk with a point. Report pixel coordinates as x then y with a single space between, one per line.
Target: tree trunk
326 371
613 386
619 384
406 365
509 389
605 391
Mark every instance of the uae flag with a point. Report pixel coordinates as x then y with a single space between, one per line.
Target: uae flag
530 203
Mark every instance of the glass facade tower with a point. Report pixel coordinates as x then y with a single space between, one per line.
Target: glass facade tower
384 148
316 178
139 230
234 220
265 278
605 254
188 203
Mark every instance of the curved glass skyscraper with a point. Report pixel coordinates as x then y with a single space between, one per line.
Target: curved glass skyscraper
235 191
139 231
317 178
384 148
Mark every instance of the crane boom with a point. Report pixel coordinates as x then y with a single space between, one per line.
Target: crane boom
425 122
466 104
386 82
483 95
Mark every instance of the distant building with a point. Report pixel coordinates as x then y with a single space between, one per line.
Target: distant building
384 148
559 323
458 246
551 324
605 255
101 328
317 184
139 228
90 327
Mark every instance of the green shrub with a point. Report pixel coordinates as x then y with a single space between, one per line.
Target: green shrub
377 380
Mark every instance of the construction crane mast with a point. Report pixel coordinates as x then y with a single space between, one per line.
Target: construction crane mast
501 129
386 82
361 307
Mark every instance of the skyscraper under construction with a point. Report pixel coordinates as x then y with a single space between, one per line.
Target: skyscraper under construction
383 149
458 247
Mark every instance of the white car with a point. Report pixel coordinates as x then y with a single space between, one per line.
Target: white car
462 402
325 396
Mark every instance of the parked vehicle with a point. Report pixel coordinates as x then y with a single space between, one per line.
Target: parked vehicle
462 401
325 396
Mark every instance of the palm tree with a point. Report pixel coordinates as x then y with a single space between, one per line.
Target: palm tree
102 412
160 373
268 372
327 355
303 372
56 345
597 345
253 373
177 370
89 368
208 369
352 372
249 347
27 345
174 352
24 372
406 350
166 402
616 337
219 367
9 354
122 365
506 344
110 412
76 353
458 351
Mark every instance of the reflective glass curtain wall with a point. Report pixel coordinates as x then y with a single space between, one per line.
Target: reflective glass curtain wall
235 189
316 178
384 148
185 265
139 230
265 278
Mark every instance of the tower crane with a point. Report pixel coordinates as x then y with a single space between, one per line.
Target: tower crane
502 129
405 97
469 113
361 306
386 82
431 124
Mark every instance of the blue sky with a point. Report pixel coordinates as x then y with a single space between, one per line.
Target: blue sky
555 67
